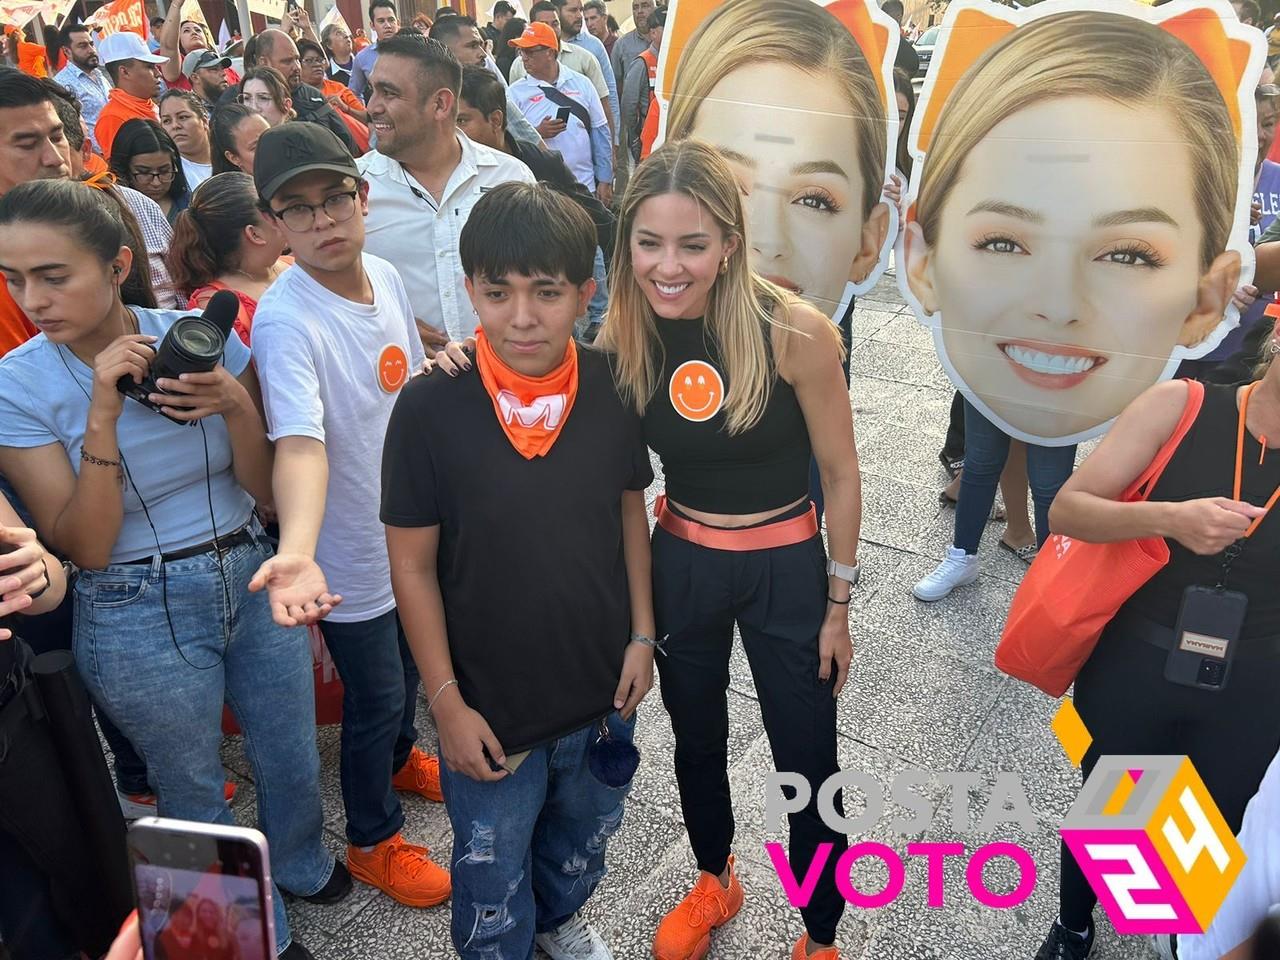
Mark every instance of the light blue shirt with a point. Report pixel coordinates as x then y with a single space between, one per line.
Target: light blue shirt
91 88
362 70
593 46
44 398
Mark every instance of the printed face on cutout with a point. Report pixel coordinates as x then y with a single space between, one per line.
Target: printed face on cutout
802 188
1064 277
696 390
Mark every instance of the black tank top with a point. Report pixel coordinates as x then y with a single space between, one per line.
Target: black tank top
1204 466
705 468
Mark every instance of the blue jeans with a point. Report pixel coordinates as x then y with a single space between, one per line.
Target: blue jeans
379 700
165 691
529 849
986 448
600 299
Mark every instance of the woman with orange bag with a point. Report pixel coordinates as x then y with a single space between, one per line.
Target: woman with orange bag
1191 662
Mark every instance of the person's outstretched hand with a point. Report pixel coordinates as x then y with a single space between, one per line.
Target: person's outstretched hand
297 589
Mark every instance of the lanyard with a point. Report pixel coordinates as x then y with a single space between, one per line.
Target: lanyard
1232 552
1244 407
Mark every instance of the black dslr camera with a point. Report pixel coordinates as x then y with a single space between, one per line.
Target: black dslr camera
192 345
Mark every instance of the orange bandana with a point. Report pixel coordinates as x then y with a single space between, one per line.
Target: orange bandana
532 410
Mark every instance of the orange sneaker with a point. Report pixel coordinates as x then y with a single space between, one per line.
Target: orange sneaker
801 951
421 775
685 932
402 871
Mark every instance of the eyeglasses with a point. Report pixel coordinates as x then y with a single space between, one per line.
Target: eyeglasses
301 217
160 174
312 62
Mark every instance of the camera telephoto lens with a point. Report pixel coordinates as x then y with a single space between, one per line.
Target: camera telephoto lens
192 345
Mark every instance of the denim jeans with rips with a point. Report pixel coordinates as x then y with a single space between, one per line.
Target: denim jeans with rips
529 849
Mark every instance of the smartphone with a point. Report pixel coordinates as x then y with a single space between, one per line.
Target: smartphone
513 761
203 890
563 114
1205 637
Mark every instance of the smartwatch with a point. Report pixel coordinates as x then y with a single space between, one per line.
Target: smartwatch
844 571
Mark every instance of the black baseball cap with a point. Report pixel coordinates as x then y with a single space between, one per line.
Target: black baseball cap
294 147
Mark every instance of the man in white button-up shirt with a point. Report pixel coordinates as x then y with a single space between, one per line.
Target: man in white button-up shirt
424 179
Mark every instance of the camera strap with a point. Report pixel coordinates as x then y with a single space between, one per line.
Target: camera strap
562 100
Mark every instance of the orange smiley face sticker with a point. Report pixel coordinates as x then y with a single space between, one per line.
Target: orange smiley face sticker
696 390
393 368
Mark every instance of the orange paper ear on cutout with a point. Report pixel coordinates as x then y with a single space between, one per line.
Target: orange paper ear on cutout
872 38
1224 57
971 34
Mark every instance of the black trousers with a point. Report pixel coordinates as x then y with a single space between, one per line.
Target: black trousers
953 446
778 599
1129 707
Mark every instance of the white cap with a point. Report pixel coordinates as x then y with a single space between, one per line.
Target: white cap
125 45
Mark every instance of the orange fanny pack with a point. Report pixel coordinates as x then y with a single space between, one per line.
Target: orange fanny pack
784 533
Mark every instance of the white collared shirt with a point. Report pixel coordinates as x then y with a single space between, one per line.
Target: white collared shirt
574 142
420 237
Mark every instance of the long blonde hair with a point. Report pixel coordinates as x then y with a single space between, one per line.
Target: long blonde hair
1090 54
800 34
741 305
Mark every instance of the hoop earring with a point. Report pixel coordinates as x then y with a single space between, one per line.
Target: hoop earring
1275 347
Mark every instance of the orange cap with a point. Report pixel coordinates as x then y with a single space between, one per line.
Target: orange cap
537 34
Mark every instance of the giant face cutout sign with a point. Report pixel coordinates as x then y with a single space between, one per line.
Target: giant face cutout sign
793 94
1079 203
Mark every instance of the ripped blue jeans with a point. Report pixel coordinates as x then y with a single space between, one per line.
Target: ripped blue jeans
529 849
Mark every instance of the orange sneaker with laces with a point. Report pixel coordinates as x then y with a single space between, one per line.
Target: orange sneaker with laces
421 775
801 951
685 932
402 871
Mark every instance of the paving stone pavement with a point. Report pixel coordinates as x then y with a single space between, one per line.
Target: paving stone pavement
923 694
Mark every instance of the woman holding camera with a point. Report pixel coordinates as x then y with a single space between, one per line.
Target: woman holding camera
1147 689
159 516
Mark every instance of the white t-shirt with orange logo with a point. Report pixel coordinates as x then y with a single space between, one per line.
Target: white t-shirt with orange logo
331 369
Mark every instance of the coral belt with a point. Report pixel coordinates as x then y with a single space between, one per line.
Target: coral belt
764 537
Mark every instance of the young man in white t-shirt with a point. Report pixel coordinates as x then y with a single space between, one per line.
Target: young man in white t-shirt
335 340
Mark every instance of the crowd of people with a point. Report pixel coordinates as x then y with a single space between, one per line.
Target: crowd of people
473 294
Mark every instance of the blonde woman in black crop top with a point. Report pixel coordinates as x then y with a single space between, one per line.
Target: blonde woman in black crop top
737 381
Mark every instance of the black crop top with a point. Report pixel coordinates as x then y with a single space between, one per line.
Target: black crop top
1204 466
706 469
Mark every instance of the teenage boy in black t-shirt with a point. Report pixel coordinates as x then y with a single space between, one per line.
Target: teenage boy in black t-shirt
513 498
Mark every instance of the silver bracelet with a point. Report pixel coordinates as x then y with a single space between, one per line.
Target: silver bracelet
432 702
643 640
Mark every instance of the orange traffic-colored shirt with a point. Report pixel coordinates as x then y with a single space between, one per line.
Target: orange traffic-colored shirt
15 328
32 58
121 107
359 131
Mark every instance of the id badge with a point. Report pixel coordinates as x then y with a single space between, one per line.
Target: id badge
1206 637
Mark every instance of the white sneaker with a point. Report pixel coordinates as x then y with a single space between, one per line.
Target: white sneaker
137 807
575 939
957 569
